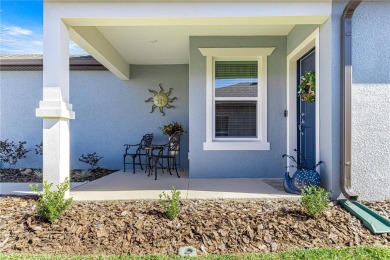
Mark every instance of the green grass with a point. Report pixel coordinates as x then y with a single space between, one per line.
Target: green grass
353 253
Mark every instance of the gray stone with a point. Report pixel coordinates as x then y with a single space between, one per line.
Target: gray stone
27 171
274 247
187 251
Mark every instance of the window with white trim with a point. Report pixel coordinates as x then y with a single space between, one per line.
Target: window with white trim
236 98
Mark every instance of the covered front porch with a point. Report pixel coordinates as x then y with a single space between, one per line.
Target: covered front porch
147 44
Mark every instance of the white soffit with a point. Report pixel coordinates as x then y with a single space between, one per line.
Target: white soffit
170 44
144 32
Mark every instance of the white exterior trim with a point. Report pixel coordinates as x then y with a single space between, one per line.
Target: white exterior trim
55 108
313 40
259 143
89 38
76 12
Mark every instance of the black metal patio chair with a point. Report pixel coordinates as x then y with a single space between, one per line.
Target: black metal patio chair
137 150
168 153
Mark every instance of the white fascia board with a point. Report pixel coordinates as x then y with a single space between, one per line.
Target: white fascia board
123 13
92 41
183 21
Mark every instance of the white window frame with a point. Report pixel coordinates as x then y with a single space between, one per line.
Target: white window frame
261 141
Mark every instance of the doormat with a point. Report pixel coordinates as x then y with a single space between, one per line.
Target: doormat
277 184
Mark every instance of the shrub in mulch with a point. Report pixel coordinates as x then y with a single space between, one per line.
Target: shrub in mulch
211 226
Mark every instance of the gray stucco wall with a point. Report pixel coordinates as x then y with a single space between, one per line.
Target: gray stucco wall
109 112
371 101
238 164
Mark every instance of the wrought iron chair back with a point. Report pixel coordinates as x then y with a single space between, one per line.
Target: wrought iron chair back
169 152
146 141
174 141
137 150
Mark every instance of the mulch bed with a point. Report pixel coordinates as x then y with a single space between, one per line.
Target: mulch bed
35 175
211 226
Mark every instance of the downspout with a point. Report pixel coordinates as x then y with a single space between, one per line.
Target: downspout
346 87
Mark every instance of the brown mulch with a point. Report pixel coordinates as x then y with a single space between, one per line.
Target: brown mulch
212 226
35 175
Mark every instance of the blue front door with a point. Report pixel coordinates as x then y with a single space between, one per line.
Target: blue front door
306 120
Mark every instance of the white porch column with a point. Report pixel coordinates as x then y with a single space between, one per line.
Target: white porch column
55 108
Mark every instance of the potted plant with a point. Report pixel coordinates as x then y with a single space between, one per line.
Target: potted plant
169 130
303 177
172 128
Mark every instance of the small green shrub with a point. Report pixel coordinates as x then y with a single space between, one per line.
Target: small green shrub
39 148
315 200
170 205
38 173
92 159
11 152
51 204
84 174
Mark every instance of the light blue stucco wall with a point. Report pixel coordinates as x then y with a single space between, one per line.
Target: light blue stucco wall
238 164
21 92
371 101
109 112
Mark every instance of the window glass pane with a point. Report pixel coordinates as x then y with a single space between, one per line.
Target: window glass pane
236 78
235 119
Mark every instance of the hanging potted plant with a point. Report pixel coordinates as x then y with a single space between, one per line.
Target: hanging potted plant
307 88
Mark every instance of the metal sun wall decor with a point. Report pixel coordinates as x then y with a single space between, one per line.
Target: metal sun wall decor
161 99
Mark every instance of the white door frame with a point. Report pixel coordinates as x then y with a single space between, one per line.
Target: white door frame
312 41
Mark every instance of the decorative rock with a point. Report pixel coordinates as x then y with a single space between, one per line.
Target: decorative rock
203 248
187 251
274 247
267 238
27 171
25 175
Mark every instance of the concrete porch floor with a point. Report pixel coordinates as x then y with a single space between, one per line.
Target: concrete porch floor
128 186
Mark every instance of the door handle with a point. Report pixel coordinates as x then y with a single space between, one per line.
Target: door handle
300 127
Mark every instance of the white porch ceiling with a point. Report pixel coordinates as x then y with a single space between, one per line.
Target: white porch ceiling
123 32
149 45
